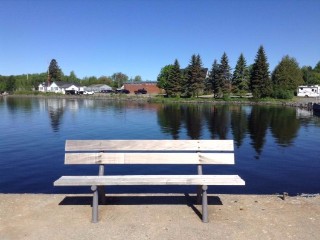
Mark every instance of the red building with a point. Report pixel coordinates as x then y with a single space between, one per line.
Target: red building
151 87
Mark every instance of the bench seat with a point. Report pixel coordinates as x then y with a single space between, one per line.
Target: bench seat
149 180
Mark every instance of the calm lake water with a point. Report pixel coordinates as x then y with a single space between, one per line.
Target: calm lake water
276 148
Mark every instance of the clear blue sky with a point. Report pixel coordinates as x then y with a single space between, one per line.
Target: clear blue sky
139 37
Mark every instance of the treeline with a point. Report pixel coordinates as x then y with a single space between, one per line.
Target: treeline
29 82
255 79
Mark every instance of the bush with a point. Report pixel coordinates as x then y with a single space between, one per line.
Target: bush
283 94
226 97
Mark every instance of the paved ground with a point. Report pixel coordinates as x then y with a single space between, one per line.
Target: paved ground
38 216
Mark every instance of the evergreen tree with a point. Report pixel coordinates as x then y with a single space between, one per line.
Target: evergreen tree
287 74
213 80
260 82
224 76
194 78
54 72
202 75
175 80
240 79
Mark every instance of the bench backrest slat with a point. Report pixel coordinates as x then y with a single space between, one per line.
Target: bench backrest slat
149 158
149 145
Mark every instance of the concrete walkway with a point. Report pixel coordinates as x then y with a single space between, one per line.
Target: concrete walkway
160 217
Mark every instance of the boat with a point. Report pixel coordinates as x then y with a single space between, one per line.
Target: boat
316 107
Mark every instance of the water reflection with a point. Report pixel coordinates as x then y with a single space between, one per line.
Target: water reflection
192 116
239 124
56 109
170 119
218 121
15 104
251 124
284 125
255 122
258 125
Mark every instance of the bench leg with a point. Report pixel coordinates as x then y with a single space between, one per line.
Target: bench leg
204 204
101 191
199 191
95 204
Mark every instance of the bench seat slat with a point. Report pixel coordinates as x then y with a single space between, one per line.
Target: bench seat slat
149 180
149 158
149 145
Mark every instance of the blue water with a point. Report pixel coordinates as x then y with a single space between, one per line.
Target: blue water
276 148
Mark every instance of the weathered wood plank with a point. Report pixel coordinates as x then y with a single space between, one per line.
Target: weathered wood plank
149 145
149 180
149 158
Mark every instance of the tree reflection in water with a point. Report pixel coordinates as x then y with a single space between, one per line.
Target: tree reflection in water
242 121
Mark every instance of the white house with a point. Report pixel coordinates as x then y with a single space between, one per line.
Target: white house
43 87
60 87
308 91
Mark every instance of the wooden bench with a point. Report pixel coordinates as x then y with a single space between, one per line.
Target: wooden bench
102 152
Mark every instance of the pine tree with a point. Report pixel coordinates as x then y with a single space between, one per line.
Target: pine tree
54 72
213 79
194 78
260 82
175 80
224 76
240 79
201 76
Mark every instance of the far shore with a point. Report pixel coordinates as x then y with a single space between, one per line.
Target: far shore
208 99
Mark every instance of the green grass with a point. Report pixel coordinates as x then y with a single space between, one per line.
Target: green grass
163 99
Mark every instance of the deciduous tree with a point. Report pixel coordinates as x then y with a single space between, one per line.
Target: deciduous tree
163 77
311 75
73 77
119 79
11 84
137 78
287 74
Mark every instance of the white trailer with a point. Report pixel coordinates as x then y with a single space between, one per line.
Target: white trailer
308 91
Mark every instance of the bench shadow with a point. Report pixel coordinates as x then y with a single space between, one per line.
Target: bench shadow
188 200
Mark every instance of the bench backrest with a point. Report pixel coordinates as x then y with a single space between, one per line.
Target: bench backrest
149 152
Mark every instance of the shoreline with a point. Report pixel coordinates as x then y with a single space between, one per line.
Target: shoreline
305 103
